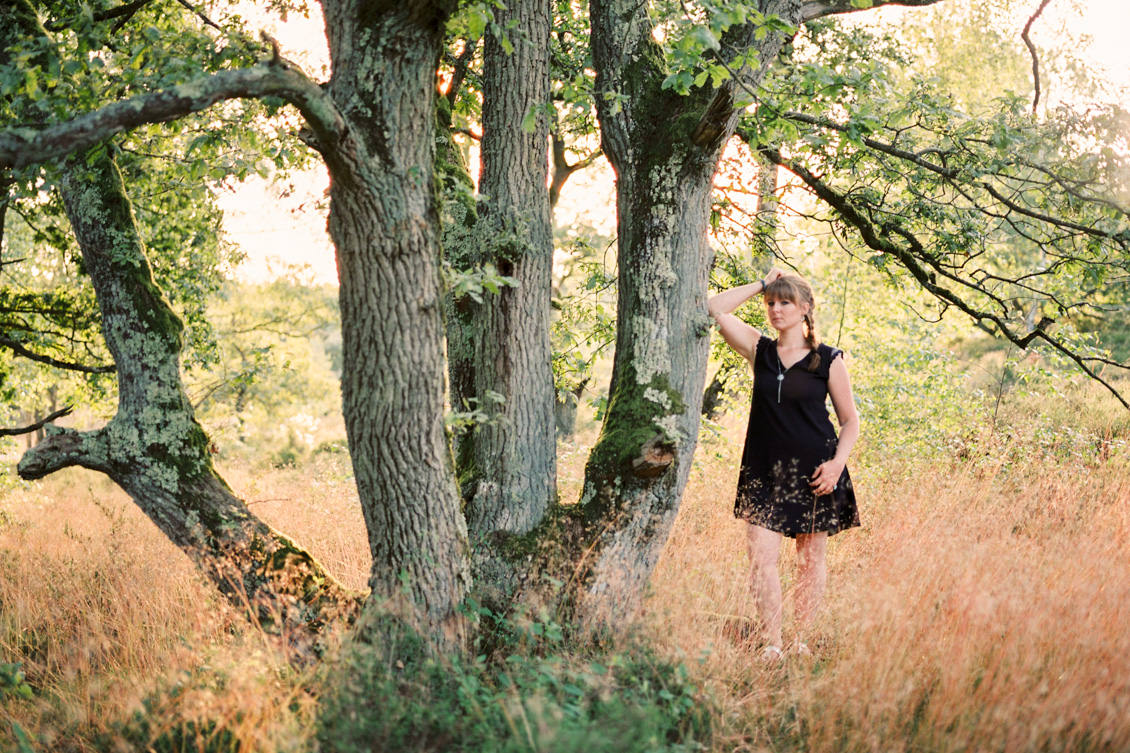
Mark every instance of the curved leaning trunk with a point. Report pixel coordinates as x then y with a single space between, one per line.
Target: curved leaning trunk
156 450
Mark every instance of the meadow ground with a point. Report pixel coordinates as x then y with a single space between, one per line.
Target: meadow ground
982 606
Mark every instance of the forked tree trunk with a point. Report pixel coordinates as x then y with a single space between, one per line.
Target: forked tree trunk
155 449
664 149
384 224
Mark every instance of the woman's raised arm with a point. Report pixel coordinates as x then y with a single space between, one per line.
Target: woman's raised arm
737 334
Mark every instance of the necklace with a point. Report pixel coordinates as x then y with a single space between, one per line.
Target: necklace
780 376
781 369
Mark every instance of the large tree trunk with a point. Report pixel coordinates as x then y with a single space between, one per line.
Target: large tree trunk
664 149
155 449
384 225
507 464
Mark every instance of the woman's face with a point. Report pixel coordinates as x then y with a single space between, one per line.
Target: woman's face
783 314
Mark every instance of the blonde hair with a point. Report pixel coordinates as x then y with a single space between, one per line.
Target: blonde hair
795 289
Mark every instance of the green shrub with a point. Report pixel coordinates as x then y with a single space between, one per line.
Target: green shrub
13 683
541 696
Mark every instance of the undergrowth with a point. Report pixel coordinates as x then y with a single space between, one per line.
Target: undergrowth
531 693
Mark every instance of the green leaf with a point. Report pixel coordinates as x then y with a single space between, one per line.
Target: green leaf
530 120
704 38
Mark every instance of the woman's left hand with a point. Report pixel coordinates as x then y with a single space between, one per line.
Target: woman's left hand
826 476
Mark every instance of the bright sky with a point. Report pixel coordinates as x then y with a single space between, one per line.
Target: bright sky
280 232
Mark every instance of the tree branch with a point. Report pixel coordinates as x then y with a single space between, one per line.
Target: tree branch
18 348
5 198
200 14
123 12
38 424
562 169
20 147
1032 52
812 10
950 174
63 448
460 66
879 239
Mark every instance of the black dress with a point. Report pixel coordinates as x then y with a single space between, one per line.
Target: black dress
788 436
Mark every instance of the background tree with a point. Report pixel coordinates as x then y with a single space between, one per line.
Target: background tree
153 447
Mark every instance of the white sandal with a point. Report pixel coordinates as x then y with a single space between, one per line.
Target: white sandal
771 654
800 648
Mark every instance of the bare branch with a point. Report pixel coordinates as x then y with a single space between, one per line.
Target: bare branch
20 147
468 133
821 8
562 169
5 198
66 411
64 448
460 67
276 51
1032 52
18 348
203 18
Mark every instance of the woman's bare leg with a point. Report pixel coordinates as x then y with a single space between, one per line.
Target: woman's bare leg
812 575
765 580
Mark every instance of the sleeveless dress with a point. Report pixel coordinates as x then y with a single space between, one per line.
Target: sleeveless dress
788 436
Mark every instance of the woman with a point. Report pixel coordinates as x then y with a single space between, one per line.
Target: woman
793 479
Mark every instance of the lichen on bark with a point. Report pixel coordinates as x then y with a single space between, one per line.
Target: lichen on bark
155 449
638 414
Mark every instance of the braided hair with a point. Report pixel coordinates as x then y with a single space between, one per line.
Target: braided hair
796 289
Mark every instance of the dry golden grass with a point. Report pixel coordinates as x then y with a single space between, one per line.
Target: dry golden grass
976 609
103 612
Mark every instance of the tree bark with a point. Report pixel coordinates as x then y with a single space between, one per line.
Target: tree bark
156 450
384 224
507 464
664 149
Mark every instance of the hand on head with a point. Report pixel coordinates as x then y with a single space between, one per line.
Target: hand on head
773 275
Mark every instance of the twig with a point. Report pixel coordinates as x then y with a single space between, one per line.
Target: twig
19 349
1032 52
200 14
65 411
123 12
